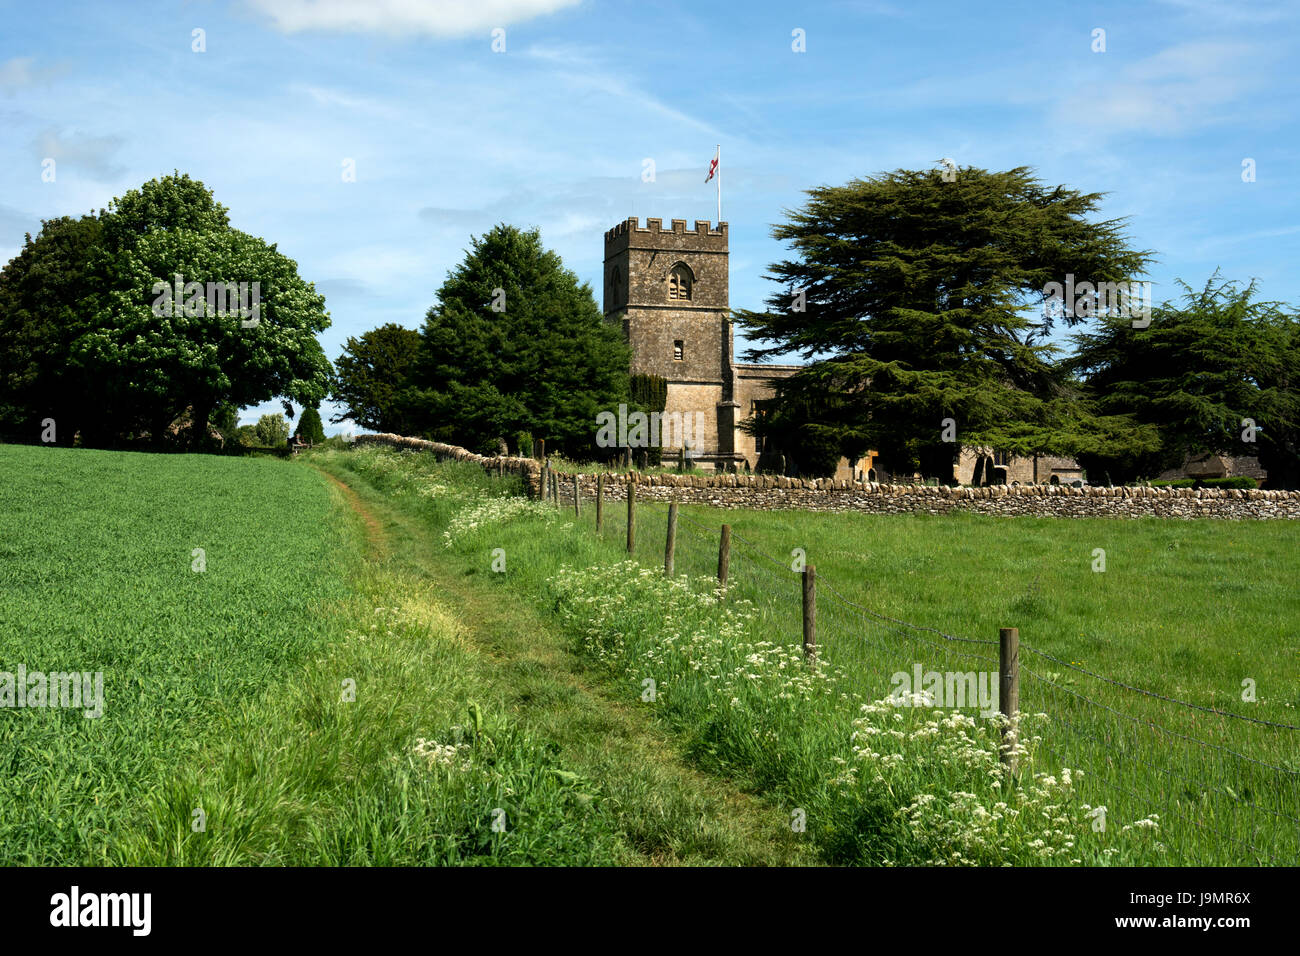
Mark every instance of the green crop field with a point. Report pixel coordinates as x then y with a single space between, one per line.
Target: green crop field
98 573
413 664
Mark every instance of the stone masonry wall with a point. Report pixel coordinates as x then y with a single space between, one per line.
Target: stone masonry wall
527 467
771 493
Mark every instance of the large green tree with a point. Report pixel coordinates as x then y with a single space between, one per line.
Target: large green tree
517 344
41 292
371 374
1200 374
137 355
918 297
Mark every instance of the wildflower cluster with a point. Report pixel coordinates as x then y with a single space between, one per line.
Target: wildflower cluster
490 512
674 629
389 621
403 473
434 754
960 808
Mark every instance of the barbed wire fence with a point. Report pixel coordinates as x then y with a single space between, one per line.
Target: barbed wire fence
1139 752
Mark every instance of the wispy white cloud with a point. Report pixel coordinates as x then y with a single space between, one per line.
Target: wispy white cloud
384 267
439 18
572 55
338 99
1217 11
90 154
1182 88
582 71
22 72
1249 237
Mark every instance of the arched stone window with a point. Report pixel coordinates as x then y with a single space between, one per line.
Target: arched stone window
680 281
616 286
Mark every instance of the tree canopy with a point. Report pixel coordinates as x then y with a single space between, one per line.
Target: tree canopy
1216 373
163 307
41 294
912 295
516 344
310 428
371 375
271 431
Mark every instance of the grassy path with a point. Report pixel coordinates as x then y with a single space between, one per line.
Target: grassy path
878 785
664 810
295 672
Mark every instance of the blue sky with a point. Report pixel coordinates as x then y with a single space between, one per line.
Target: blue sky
449 137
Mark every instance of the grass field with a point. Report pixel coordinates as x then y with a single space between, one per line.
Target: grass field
225 737
386 660
97 559
1191 610
1188 610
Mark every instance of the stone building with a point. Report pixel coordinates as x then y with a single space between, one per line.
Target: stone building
989 466
669 287
1218 466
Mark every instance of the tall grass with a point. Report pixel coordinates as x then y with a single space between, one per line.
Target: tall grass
1166 677
870 781
423 767
289 703
98 572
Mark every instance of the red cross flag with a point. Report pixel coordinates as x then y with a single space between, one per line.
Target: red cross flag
714 173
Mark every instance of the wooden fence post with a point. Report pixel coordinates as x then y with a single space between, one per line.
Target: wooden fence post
670 546
810 613
544 490
541 449
631 514
577 497
600 500
555 488
724 558
1009 694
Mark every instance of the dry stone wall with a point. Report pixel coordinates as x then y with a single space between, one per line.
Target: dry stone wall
530 469
770 493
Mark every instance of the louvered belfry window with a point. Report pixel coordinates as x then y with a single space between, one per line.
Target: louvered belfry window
679 282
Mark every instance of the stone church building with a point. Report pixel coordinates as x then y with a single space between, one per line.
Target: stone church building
669 287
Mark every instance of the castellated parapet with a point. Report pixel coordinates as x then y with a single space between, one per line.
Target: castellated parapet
639 265
703 238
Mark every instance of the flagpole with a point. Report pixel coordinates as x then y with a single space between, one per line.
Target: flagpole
719 161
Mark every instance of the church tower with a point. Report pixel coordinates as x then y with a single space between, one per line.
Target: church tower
669 288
